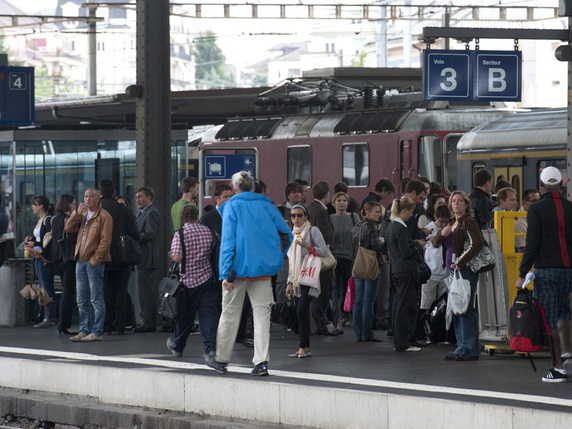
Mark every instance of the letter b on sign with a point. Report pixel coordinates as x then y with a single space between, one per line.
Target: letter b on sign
497 80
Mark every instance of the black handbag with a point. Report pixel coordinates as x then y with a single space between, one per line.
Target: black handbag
129 250
421 271
171 289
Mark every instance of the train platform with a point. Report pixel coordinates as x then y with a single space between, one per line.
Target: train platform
345 384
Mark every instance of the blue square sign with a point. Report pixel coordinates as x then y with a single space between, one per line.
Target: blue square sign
446 74
498 75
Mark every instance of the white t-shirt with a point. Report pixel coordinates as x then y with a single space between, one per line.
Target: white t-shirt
434 255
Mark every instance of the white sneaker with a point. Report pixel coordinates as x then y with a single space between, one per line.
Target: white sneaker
413 349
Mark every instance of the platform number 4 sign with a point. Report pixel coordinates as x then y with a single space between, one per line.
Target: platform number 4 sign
18 81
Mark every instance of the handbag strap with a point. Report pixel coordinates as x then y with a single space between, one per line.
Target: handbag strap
359 237
183 264
464 228
313 249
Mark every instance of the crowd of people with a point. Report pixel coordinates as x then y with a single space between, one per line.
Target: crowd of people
246 256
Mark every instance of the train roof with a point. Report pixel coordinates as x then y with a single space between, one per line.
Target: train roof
365 122
543 127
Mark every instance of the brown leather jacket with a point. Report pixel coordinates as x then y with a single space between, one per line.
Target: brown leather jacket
94 247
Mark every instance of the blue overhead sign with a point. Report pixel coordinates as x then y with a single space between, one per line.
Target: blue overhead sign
222 167
446 75
472 75
497 76
16 96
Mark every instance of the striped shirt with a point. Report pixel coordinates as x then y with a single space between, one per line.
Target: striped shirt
198 240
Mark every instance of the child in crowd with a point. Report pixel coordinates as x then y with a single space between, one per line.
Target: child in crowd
437 284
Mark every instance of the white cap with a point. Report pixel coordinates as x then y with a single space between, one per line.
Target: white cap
551 176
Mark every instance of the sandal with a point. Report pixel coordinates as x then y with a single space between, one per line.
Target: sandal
299 355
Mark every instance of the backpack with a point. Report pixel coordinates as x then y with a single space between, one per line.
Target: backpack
529 329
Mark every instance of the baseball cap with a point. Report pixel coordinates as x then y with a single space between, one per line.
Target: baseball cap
551 176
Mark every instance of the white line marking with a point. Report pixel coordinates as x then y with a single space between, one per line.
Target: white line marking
489 394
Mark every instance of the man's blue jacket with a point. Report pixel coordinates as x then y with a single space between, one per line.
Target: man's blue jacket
250 238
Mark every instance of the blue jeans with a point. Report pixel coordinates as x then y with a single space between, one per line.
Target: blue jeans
90 288
45 276
467 326
205 300
366 292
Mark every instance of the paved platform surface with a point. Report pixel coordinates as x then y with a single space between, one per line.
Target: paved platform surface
339 364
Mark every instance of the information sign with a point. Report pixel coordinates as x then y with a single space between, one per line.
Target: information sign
472 75
16 96
222 167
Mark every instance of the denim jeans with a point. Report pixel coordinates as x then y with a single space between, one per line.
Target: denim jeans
366 292
205 300
90 288
467 326
45 276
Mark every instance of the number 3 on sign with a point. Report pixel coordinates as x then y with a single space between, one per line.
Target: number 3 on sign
450 76
18 81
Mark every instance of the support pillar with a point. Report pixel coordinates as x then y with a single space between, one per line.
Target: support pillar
153 110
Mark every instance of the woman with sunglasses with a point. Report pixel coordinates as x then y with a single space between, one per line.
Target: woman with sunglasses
306 237
42 266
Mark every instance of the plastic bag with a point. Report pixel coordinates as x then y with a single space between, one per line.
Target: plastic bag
459 294
350 296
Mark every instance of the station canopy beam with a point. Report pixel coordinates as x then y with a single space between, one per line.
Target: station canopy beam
430 34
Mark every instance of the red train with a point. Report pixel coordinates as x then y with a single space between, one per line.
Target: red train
405 136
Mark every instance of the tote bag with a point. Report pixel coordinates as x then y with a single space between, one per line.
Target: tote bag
365 264
310 272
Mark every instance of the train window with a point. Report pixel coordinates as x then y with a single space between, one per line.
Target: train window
450 162
355 164
300 163
429 158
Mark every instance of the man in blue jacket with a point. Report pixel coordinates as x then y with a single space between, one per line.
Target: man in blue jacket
254 241
549 249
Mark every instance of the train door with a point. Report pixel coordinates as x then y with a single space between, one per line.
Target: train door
406 162
512 175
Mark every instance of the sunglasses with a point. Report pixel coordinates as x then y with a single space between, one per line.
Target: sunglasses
296 214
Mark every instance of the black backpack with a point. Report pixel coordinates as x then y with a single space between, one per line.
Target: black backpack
529 329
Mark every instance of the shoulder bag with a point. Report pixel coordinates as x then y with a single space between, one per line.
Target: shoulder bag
421 271
129 250
365 266
484 260
329 261
48 235
171 289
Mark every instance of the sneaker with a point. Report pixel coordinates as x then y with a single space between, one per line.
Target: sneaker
170 347
408 349
555 376
260 370
211 362
77 338
92 337
567 355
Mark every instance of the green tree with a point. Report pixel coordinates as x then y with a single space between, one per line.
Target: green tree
359 60
210 61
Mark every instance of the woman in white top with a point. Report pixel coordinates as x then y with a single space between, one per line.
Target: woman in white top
42 265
